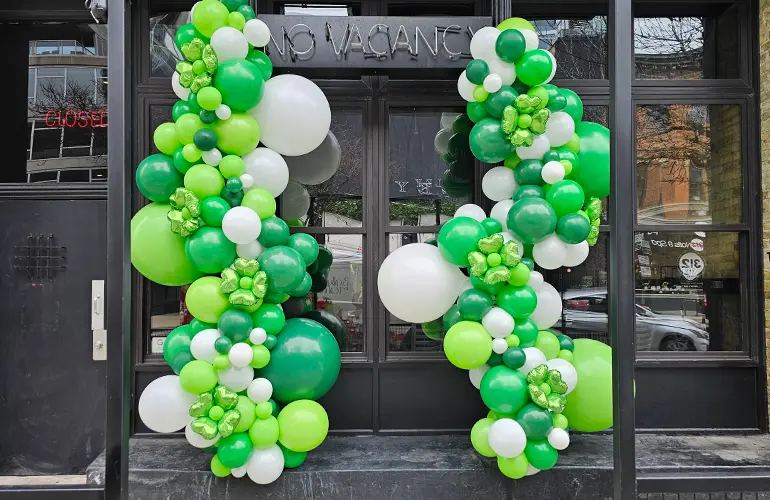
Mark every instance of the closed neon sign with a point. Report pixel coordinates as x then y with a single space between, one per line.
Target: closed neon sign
76 119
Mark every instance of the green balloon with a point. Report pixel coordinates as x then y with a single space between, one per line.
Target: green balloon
520 87
531 220
480 437
176 348
574 106
165 139
238 135
284 267
514 358
498 101
495 359
527 192
274 232
223 345
593 174
476 71
156 252
303 288
248 411
235 324
262 62
434 330
565 197
204 181
528 173
566 343
474 304
205 139
198 377
156 177
179 109
234 450
292 459
186 127
181 164
459 237
217 468
274 297
192 100
557 103
209 250
455 186
504 390
305 363
213 210
519 275
480 284
269 317
241 84
491 226
209 16
534 67
573 228
537 422
476 111
548 343
451 318
518 23
185 34
589 405
264 432
304 425
510 45
306 246
261 201
541 455
527 331
205 300
207 117
335 325
488 143
527 261
234 5
518 301
248 13
514 467
467 345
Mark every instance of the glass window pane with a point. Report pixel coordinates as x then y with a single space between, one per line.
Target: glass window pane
50 93
80 88
47 47
76 136
688 165
164 53
579 46
46 143
75 152
293 9
31 84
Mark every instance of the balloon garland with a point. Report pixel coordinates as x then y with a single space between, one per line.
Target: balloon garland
246 373
537 383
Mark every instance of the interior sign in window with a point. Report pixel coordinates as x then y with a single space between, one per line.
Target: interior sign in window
71 118
691 265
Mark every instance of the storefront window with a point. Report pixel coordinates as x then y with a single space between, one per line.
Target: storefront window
164 53
579 46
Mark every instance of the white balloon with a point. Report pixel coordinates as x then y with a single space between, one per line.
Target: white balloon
559 128
558 438
552 172
176 86
229 43
548 309
540 146
164 406
506 71
238 472
465 87
197 440
241 225
319 165
499 346
470 210
293 115
466 285
499 184
550 252
476 374
531 40
507 438
236 378
212 157
531 471
553 67
256 32
483 43
265 464
240 354
260 390
534 358
223 112
441 141
295 201
202 345
258 336
576 254
416 284
247 181
493 82
498 323
447 119
268 170
568 372
536 280
249 250
500 212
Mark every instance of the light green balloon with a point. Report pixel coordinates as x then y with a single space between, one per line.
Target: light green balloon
480 437
261 201
589 406
515 468
198 377
467 345
238 135
515 23
264 432
208 16
165 138
204 181
548 344
205 300
248 411
304 425
186 126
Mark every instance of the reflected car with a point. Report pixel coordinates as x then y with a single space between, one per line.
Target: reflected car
585 315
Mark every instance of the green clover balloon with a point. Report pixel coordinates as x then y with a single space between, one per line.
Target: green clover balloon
493 260
524 119
215 413
196 76
547 388
243 283
593 210
185 212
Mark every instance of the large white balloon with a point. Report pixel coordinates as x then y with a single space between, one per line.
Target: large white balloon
293 115
506 71
476 374
559 128
483 43
568 372
540 146
295 201
500 212
256 32
550 253
498 323
249 250
558 438
470 210
229 43
268 169
534 358
441 141
265 464
576 254
507 438
531 40
416 284
548 309
236 379
241 225
197 440
465 87
164 406
317 166
176 86
202 345
499 184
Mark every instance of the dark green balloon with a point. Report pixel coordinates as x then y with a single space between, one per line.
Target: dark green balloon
510 45
504 390
568 155
333 323
540 454
270 342
235 324
274 232
234 199
274 297
474 304
234 185
526 330
527 261
497 101
573 228
261 61
213 210
179 109
566 343
528 191
292 459
528 250
234 450
531 219
223 345
514 358
491 226
185 33
537 422
296 307
284 267
325 258
518 301
197 326
180 361
234 5
476 71
192 100
248 13
207 117
303 288
457 145
529 173
495 359
488 143
480 284
305 363
320 282
462 125
574 106
454 186
520 87
209 250
269 317
458 237
476 111
452 317
434 330
180 163
205 139
157 178
557 103
306 246
177 342
241 84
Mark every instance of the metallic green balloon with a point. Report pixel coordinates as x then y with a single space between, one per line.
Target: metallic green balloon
504 390
474 304
488 143
209 250
157 178
518 301
459 237
536 422
234 450
284 267
274 232
531 219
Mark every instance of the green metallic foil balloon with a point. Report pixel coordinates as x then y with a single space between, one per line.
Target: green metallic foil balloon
157 178
241 84
209 250
488 143
234 450
540 454
284 267
518 301
531 219
186 33
536 422
504 390
274 232
474 304
458 237
593 174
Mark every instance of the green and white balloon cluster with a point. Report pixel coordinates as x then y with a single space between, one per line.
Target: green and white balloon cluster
246 377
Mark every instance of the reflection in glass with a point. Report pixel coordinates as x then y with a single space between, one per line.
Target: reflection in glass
164 53
579 46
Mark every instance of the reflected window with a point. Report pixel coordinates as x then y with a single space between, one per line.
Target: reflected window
578 45
164 53
294 9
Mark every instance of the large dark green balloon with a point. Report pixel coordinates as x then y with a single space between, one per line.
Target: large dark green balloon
565 197
540 454
474 304
535 421
497 101
573 228
209 250
157 178
504 390
296 307
284 267
213 210
510 45
333 323
274 232
305 363
459 237
240 83
306 245
574 106
176 348
529 173
518 301
235 324
531 219
234 450
488 143
593 174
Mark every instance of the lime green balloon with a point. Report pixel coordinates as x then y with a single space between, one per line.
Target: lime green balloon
238 135
480 437
574 106
180 162
209 98
593 175
198 377
236 20
186 126
205 300
304 425
274 232
467 345
488 143
156 252
459 237
292 459
534 67
213 210
503 390
157 178
234 450
165 138
208 16
548 343
191 153
517 23
240 83
589 405
204 181
232 166
541 455
519 275
573 145
248 411
560 421
261 201
284 267
264 432
260 356
306 246
261 61
269 317
515 467
218 469
209 250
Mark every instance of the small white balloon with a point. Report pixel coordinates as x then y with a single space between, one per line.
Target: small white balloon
238 472
229 43
176 86
531 471
265 464
470 210
256 32
550 253
258 336
553 67
223 112
531 40
212 157
492 83
240 354
576 254
507 438
534 358
197 440
548 309
500 212
536 280
552 172
447 119
558 438
483 43
476 374
465 87
268 170
236 378
317 166
247 181
499 346
260 390
568 372
249 250
506 71
540 146
241 225
441 141
498 323
295 201
559 128
499 184
164 406
202 345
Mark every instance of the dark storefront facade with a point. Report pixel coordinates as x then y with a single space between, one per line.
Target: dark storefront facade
679 255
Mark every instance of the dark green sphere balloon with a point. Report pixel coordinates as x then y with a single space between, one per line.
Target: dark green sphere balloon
207 117
565 197
474 304
497 101
179 109
178 343
566 343
275 297
270 342
480 284
306 246
528 191
213 210
518 301
284 267
333 323
241 84
458 237
491 226
451 317
303 288
261 61
488 143
557 103
455 186
205 139
235 324
527 261
529 173
180 163
223 345
573 228
157 178
526 330
209 250
476 71
514 358
234 450
274 232
476 111
510 45
520 87
537 422
540 454
504 390
531 219
180 361
305 363
295 307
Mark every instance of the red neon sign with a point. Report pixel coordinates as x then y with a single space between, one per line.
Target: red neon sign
76 119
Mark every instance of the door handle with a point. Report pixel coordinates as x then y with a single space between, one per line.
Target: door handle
99 334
